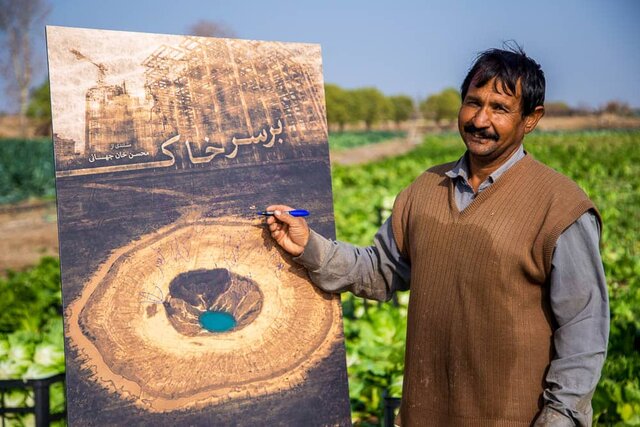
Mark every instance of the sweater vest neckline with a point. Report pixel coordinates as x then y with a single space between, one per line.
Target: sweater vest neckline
484 194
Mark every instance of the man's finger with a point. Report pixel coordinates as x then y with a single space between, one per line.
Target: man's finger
274 226
279 208
283 216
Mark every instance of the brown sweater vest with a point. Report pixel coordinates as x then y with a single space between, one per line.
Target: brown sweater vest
479 336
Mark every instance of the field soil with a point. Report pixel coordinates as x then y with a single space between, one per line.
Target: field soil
10 128
589 122
373 152
29 231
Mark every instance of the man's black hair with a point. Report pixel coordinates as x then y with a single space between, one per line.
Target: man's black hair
508 66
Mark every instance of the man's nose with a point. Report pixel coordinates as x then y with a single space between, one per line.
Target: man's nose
481 118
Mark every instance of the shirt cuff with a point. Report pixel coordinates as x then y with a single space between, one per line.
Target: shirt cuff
315 252
549 417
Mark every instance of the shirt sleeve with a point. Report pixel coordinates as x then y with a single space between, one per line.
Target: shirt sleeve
373 272
580 304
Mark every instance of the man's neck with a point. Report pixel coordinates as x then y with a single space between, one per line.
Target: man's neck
480 168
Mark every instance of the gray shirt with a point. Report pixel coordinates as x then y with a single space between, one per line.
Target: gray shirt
578 294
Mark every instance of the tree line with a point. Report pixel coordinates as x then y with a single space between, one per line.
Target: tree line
370 106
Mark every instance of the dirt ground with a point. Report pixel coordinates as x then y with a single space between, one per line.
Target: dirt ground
370 153
592 122
28 230
10 128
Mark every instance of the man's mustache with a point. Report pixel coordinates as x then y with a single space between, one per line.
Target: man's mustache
482 133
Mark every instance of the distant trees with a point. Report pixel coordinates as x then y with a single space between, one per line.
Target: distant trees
562 109
441 106
338 105
618 108
371 106
39 109
557 108
402 108
366 105
18 19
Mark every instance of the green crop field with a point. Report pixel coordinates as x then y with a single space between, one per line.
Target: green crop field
345 140
605 164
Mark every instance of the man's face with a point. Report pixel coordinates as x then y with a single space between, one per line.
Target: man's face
490 122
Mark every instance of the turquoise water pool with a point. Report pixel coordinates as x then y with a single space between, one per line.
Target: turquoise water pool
217 321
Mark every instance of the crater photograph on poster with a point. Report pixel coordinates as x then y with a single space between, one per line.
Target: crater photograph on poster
178 307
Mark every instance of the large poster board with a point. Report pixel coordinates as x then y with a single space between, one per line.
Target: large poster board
178 308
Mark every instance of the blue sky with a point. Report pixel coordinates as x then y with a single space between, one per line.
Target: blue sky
589 50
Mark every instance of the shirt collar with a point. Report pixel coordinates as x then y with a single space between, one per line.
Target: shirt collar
461 168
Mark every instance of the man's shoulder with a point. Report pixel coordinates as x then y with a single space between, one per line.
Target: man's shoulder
441 169
554 181
435 173
558 190
432 179
434 176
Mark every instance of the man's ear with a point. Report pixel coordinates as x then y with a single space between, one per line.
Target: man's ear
531 121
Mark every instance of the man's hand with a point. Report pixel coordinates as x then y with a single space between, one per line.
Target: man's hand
291 233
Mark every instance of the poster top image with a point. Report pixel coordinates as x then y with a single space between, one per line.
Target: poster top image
124 101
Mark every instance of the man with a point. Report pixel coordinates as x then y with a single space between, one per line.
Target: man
508 317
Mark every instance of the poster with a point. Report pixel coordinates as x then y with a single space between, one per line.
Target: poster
178 308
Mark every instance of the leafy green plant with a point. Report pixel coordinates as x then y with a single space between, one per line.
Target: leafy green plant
32 355
31 335
26 169
30 298
375 353
31 338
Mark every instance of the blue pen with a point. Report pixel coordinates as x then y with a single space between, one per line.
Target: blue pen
295 212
